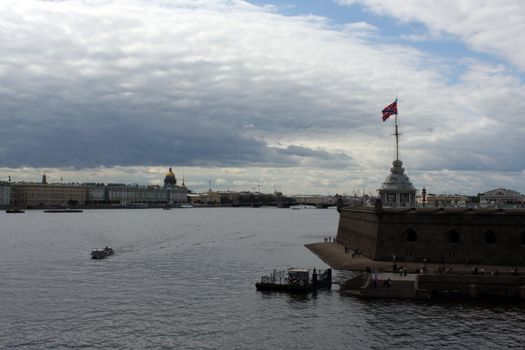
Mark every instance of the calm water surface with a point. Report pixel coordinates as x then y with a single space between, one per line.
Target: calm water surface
185 279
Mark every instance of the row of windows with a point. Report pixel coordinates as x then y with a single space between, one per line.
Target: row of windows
453 236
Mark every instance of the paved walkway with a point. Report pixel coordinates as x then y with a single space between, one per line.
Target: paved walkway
334 255
383 276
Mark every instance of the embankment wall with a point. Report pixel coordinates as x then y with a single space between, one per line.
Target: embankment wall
448 236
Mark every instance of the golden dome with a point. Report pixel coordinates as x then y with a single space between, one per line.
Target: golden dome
170 178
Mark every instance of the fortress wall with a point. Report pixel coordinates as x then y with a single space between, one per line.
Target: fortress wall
387 230
358 229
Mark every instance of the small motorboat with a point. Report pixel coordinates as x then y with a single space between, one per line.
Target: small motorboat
102 253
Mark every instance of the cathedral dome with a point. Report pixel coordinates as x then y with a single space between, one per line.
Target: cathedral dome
170 178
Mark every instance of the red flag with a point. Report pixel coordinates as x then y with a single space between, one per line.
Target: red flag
389 110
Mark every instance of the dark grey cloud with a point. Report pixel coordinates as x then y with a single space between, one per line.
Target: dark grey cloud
86 91
317 157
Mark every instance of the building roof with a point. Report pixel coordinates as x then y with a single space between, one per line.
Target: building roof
397 180
501 192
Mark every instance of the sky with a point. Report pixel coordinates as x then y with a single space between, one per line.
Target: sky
264 95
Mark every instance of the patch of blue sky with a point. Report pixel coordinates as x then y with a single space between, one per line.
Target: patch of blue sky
446 48
391 31
335 13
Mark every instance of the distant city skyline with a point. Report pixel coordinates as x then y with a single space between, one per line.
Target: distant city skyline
278 96
222 186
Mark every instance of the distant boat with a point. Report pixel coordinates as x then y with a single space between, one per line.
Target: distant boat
186 206
102 253
63 211
137 206
302 206
14 211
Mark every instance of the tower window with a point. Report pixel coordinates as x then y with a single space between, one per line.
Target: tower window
453 236
391 198
409 235
523 238
490 237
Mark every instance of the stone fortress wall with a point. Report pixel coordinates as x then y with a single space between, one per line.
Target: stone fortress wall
438 235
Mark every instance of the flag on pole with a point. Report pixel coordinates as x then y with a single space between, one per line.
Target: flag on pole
389 110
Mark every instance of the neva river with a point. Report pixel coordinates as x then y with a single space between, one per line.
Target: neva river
185 278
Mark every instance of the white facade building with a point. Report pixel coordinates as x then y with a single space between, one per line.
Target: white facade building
502 197
5 194
139 196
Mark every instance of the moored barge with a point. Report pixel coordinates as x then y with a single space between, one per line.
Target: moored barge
14 211
63 211
296 280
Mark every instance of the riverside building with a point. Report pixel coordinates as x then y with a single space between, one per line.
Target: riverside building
5 194
45 195
136 196
502 197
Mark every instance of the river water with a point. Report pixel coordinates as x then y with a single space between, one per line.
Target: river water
185 278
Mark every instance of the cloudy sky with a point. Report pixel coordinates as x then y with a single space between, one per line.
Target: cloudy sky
268 95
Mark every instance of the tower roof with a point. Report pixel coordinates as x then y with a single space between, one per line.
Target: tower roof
397 180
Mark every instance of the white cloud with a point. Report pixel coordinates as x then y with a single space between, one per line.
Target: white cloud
123 89
362 29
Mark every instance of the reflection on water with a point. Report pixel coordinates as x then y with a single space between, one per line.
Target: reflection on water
185 279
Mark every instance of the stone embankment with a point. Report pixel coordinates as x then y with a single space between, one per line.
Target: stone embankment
422 281
333 254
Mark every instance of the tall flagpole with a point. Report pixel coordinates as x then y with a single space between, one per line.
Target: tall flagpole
397 133
387 112
397 141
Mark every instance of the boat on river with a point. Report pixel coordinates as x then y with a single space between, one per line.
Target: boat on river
102 253
302 206
63 211
296 280
14 211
